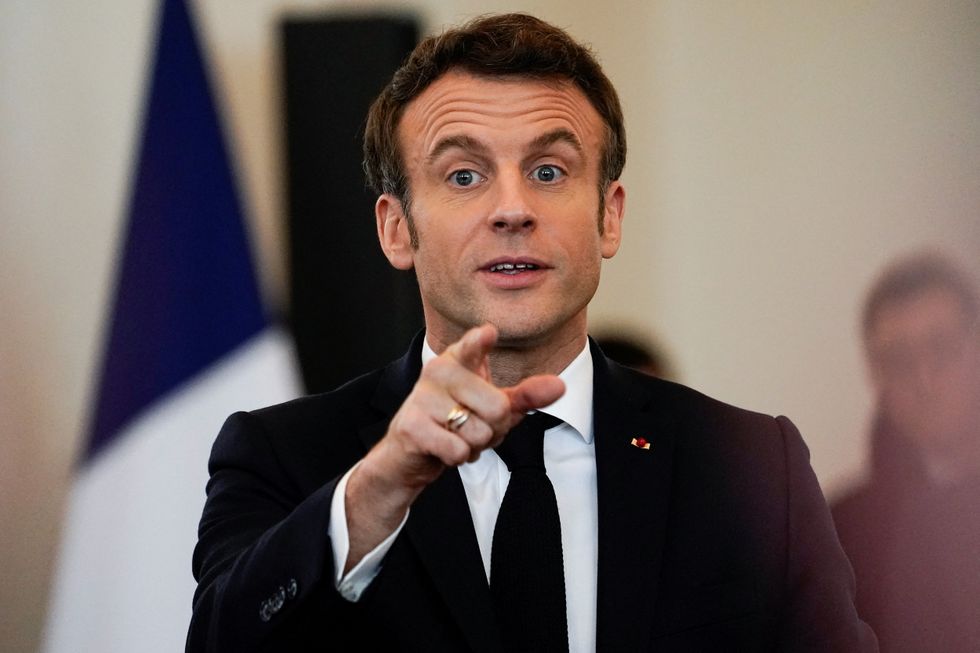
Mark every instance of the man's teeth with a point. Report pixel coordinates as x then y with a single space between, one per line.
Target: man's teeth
512 268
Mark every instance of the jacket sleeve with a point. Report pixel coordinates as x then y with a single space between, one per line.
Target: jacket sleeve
263 547
819 613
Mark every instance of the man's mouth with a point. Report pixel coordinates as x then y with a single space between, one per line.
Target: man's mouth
512 268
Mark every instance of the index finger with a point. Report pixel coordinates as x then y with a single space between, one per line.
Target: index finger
472 349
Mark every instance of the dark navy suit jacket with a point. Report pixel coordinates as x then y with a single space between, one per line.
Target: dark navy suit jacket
717 537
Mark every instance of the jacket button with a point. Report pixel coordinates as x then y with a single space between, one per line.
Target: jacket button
292 588
277 600
265 611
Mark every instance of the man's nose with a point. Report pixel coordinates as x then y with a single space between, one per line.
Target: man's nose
512 209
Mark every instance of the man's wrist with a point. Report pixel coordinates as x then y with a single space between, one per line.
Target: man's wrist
351 583
375 504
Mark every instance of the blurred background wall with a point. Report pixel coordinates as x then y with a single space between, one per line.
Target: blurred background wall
780 154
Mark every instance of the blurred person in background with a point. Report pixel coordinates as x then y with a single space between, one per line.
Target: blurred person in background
637 353
913 530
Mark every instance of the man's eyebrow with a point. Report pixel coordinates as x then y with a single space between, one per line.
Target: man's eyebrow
560 135
461 142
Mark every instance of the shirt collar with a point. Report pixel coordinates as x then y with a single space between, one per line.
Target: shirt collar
575 406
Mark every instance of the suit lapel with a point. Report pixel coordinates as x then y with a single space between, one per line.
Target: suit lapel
449 551
633 499
447 546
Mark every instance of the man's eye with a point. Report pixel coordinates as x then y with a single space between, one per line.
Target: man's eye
546 173
465 178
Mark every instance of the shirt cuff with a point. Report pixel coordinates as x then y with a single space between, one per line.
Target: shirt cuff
352 584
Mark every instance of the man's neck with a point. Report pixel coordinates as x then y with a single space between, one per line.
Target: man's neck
511 361
510 364
952 465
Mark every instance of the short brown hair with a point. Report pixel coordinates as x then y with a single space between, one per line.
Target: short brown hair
496 45
915 274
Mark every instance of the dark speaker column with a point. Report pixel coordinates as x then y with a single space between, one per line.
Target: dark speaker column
350 310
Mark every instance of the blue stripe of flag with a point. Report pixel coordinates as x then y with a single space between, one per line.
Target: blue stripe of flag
186 292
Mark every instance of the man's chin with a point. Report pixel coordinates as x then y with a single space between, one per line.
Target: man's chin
526 334
519 339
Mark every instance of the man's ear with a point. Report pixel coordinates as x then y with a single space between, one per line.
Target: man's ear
393 232
612 218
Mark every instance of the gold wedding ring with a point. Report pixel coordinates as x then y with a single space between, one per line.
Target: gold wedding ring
456 418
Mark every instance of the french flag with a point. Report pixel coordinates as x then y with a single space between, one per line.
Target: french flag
188 343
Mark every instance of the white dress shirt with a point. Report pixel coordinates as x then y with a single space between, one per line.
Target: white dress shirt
569 455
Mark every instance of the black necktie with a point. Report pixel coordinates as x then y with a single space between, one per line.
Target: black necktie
527 578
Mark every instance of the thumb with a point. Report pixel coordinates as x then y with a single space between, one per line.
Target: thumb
534 392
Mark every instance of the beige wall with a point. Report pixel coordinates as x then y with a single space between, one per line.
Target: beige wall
780 153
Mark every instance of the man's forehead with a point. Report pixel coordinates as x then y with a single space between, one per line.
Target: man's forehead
925 311
458 100
475 145
459 77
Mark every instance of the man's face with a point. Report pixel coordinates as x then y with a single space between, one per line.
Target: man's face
925 366
503 176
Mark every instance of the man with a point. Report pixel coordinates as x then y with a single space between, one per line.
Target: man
382 517
913 531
